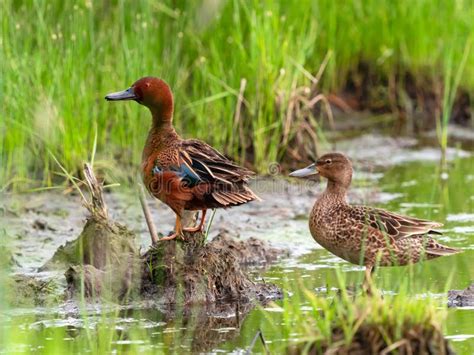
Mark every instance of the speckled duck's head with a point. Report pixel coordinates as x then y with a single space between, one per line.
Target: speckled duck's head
335 167
151 92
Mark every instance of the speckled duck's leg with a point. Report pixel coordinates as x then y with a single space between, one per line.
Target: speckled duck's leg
201 224
368 284
178 230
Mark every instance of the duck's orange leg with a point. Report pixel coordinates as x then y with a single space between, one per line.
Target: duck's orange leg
201 224
178 230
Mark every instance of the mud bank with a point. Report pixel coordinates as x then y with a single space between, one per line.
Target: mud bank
179 272
104 262
197 272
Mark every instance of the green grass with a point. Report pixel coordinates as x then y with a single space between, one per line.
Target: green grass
394 317
59 59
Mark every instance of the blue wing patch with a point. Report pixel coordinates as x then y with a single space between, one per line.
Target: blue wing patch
156 170
188 176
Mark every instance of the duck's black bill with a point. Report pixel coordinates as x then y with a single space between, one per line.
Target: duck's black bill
305 172
122 95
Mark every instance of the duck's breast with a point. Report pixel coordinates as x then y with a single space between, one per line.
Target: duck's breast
330 229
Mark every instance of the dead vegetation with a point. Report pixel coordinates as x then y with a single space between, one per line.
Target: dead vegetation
416 101
400 103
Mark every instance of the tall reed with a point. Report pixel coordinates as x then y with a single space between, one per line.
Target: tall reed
60 58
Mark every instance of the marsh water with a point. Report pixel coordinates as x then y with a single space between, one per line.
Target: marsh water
396 174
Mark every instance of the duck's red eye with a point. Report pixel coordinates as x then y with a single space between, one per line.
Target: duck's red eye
147 85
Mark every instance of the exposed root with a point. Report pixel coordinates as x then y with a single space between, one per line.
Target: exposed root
249 252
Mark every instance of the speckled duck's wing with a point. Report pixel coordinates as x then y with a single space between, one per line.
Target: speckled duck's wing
394 225
226 179
394 239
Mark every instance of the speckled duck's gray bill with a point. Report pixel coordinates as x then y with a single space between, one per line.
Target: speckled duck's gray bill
305 172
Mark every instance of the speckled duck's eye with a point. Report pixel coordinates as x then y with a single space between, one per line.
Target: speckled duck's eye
328 161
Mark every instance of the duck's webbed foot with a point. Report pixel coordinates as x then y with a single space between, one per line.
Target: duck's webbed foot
170 237
193 229
200 227
178 231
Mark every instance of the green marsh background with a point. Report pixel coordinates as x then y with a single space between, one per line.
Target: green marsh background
59 59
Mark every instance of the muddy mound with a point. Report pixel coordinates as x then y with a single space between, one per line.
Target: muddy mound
191 271
32 290
101 242
103 259
249 252
103 262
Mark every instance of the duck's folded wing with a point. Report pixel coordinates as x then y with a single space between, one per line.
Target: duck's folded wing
226 181
210 165
395 225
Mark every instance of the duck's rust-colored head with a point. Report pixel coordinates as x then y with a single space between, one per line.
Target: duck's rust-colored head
151 92
335 167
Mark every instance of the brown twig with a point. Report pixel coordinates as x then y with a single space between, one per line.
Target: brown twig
147 214
97 204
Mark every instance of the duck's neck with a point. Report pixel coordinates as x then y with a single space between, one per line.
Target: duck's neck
336 191
162 123
162 132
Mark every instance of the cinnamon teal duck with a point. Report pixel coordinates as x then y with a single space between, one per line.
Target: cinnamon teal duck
185 174
364 235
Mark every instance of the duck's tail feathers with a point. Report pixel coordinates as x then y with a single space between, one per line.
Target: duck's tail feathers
442 250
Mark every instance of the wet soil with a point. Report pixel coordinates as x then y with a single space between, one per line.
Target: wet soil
103 262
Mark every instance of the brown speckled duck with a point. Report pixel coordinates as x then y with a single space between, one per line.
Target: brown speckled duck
186 174
364 235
